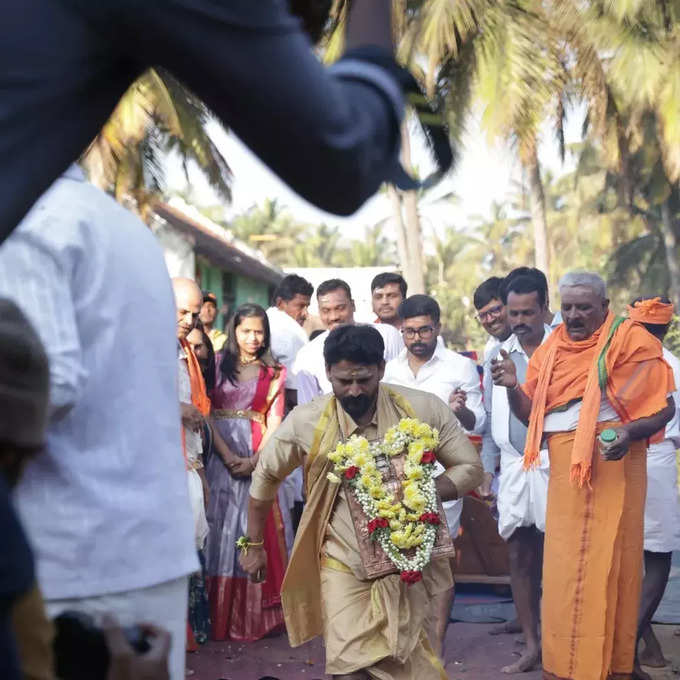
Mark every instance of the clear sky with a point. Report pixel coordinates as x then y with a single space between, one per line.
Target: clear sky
484 174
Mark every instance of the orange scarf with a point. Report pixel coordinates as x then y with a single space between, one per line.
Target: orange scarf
199 395
620 359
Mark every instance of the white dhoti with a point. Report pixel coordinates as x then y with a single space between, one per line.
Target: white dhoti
522 494
662 508
197 508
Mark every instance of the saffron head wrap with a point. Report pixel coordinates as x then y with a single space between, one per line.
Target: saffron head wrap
651 311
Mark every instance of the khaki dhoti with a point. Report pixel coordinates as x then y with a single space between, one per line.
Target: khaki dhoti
378 626
592 568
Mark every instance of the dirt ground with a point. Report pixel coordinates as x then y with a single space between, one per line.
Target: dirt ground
471 653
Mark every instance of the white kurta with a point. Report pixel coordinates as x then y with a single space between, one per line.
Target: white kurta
662 508
193 446
522 494
445 372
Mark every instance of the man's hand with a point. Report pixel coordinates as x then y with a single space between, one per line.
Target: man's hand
618 448
503 371
254 563
457 400
192 418
126 664
484 489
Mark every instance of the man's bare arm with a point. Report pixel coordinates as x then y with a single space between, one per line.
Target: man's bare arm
446 488
254 560
646 427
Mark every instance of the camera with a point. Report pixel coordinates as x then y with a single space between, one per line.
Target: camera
80 649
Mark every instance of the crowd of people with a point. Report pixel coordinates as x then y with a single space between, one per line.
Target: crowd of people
262 406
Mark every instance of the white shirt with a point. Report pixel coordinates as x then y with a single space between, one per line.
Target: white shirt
287 339
193 444
106 506
441 375
445 372
310 366
491 344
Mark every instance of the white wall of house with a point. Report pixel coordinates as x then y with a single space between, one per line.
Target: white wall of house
178 249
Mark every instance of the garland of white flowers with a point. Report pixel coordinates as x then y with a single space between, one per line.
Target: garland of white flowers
406 530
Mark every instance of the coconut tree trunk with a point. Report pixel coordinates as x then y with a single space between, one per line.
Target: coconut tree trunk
670 243
414 236
537 207
400 227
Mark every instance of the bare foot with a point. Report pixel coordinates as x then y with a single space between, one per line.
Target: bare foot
639 674
527 662
652 658
507 628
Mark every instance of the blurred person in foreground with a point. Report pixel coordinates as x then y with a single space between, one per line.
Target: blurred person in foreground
522 494
426 365
208 317
373 626
388 291
597 390
247 408
66 63
336 308
105 504
25 632
662 507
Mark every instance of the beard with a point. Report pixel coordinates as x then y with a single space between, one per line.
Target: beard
356 406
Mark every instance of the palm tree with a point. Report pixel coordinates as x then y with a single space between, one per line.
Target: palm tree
155 116
272 229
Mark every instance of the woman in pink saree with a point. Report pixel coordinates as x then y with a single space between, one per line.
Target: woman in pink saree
247 404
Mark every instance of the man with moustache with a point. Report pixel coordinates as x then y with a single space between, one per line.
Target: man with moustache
522 494
336 308
492 316
424 364
286 318
491 313
373 627
597 390
194 402
388 291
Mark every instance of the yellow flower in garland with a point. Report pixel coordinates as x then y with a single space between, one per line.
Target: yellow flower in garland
412 471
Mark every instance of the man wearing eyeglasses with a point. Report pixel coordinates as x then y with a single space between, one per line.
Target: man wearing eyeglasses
426 365
491 313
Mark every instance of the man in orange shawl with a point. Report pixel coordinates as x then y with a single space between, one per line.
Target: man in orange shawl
194 402
596 372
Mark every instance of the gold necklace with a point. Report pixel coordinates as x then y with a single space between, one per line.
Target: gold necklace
247 362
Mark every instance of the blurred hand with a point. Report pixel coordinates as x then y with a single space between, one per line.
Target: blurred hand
254 563
503 371
484 489
457 400
126 664
240 467
192 418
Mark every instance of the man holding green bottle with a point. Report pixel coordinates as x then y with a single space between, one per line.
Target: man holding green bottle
596 372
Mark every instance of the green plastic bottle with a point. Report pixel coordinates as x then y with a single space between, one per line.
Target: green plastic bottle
608 436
